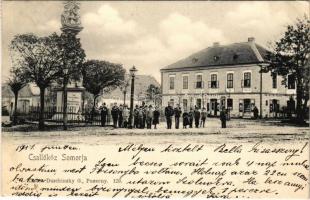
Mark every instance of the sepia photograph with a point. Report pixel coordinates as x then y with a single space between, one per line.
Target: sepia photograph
155 99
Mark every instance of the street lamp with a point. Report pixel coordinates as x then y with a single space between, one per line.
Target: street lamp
132 71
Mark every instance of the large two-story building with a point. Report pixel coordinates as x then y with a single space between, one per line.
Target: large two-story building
229 76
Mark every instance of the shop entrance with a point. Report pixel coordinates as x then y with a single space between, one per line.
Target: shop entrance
214 107
247 105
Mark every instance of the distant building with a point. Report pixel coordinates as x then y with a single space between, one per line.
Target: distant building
28 96
229 76
142 83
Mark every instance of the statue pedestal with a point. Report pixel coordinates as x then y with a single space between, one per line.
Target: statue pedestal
74 106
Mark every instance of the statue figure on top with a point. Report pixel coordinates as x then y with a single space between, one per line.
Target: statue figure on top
70 18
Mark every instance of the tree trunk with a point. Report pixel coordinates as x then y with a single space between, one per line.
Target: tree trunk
124 97
41 115
15 108
93 109
299 109
65 104
304 108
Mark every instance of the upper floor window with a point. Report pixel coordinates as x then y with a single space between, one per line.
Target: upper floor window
214 82
199 81
274 81
185 82
291 81
230 80
247 79
171 82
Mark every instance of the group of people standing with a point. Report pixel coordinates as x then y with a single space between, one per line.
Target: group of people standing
196 116
193 116
120 115
143 116
146 116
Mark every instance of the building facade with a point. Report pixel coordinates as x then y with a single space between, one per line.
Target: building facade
227 76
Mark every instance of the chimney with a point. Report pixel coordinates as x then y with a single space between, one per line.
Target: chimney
216 44
251 39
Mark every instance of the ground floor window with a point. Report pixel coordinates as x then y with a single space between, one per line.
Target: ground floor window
198 103
246 105
230 104
240 105
274 105
291 105
184 104
214 108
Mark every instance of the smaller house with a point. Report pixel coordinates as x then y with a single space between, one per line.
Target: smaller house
28 96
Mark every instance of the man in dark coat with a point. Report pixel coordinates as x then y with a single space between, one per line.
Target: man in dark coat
140 116
114 113
104 114
255 112
197 116
203 117
177 115
169 114
156 115
136 117
191 117
223 117
185 119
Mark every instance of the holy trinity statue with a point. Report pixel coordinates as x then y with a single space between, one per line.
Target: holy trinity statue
70 17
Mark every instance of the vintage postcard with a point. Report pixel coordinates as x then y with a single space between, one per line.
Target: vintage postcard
155 99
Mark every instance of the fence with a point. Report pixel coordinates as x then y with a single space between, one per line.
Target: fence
54 115
74 116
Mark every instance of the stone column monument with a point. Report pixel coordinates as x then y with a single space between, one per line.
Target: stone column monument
74 91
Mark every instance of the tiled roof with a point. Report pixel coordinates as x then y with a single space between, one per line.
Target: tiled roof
28 91
222 55
142 82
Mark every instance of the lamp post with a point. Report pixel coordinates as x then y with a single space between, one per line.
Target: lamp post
132 71
65 100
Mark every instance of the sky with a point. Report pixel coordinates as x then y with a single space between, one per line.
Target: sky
152 35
